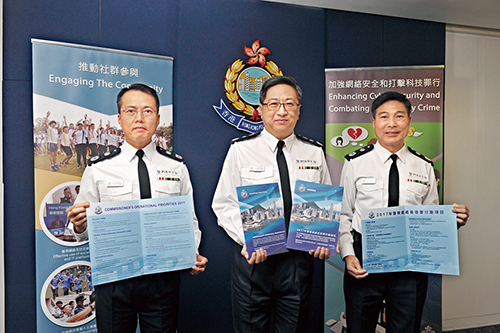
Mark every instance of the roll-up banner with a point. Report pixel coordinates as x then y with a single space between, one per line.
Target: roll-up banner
349 95
75 119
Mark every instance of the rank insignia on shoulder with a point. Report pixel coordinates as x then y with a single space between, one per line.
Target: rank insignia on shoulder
359 152
416 153
104 156
311 141
246 137
167 153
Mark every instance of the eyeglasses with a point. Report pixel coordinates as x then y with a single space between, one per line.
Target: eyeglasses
275 106
131 113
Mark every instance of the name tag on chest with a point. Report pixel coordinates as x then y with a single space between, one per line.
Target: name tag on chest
368 181
114 183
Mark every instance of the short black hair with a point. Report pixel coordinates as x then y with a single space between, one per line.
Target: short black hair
141 87
390 96
275 80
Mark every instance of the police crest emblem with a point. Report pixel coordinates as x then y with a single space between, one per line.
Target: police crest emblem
242 85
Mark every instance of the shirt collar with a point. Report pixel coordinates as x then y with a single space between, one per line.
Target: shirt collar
385 155
272 141
130 151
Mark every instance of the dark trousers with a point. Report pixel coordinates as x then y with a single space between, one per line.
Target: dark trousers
94 151
404 294
153 298
280 286
102 149
81 151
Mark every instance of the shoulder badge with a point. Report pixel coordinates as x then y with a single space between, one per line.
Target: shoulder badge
359 152
104 156
416 153
173 156
311 141
246 137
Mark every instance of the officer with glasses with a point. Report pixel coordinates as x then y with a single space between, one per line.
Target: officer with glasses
129 173
270 289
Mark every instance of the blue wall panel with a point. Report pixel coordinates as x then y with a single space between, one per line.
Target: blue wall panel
140 26
61 20
353 40
410 42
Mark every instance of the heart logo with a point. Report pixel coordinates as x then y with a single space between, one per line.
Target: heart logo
354 133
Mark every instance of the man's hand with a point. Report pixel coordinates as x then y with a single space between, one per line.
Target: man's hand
199 267
462 214
321 253
354 267
258 256
78 216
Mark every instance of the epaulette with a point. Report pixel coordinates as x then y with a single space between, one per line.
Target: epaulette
104 156
311 141
359 152
246 137
416 153
167 153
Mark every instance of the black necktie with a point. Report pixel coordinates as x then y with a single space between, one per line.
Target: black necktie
285 182
143 176
394 182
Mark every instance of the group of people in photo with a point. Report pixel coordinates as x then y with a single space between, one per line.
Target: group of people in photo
70 294
82 141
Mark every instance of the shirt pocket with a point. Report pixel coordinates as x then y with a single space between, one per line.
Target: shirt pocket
370 191
308 175
115 193
167 188
415 191
256 175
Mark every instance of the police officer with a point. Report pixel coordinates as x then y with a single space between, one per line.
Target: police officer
279 284
366 178
114 177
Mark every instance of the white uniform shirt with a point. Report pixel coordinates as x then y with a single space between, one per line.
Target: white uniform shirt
163 142
253 161
102 138
113 139
116 179
39 138
92 136
366 182
52 134
79 136
65 139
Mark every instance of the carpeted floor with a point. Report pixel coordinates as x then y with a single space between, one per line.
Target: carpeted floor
485 329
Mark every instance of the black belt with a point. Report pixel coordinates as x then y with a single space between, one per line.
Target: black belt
356 236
